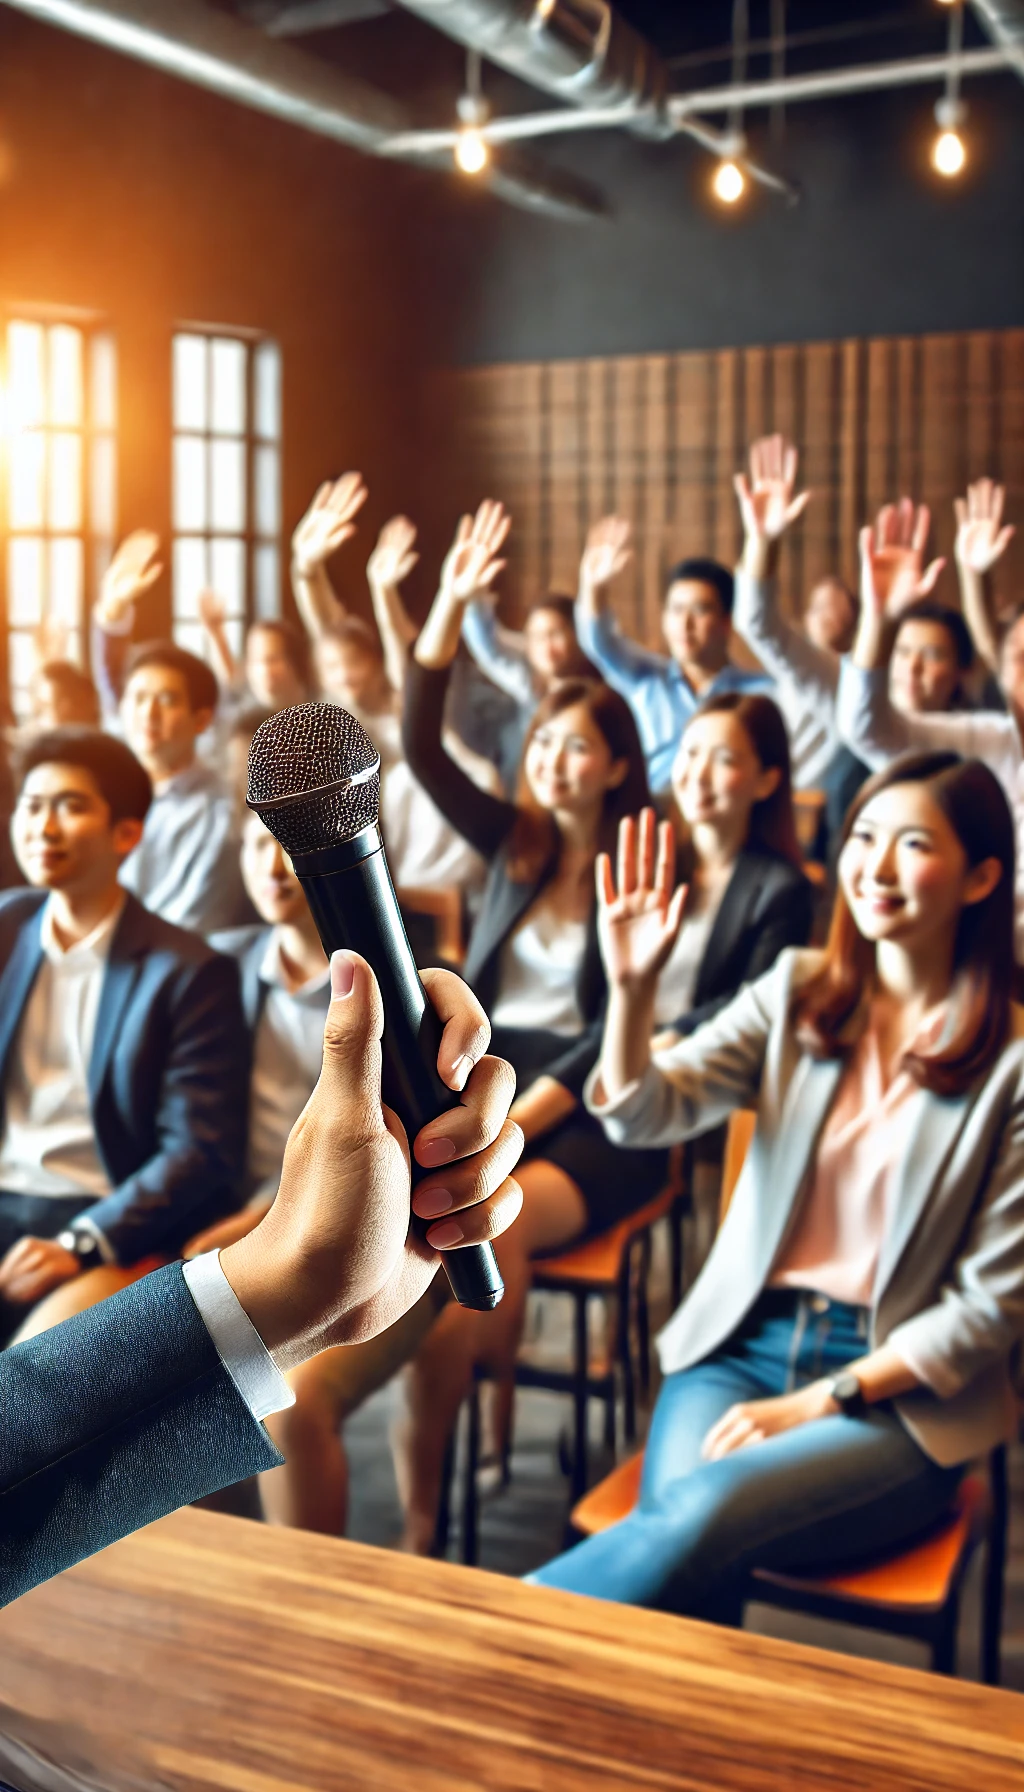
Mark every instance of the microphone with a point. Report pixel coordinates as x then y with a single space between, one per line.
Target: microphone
314 781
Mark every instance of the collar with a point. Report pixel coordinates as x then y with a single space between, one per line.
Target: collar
95 945
196 776
272 972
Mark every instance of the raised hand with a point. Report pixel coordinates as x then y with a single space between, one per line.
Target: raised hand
328 522
606 553
893 574
472 564
212 613
392 559
766 498
131 573
981 536
637 925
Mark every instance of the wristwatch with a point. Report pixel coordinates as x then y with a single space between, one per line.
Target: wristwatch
82 1245
847 1393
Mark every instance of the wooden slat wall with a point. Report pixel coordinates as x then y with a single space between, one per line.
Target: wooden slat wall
659 437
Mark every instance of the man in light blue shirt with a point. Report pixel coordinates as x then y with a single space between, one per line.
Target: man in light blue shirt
696 619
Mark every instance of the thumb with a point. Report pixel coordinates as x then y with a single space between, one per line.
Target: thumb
350 1077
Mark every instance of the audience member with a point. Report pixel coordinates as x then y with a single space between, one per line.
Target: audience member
123 1059
524 663
696 621
838 1361
63 696
275 672
830 614
981 541
870 724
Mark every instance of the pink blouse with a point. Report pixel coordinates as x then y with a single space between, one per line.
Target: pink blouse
835 1243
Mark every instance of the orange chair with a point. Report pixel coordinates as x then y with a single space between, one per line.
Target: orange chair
913 1592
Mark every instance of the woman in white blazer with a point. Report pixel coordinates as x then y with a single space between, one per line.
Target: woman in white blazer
846 1348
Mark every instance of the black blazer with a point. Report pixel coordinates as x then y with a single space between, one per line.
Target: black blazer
168 1076
768 905
487 821
110 1421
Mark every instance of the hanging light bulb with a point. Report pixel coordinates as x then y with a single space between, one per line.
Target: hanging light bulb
949 152
472 150
729 182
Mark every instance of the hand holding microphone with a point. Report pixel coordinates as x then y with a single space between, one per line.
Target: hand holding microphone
314 779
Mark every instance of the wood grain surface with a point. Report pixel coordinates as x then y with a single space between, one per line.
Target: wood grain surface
211 1652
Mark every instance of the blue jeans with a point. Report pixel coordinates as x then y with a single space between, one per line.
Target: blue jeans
830 1492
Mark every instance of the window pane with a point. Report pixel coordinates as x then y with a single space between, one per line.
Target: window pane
266 583
266 491
267 391
228 407
235 631
26 376
189 576
65 603
103 487
65 483
27 480
189 482
227 485
21 664
190 382
227 574
65 374
25 581
192 635
104 382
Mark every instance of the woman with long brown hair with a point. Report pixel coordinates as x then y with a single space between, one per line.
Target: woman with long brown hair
846 1348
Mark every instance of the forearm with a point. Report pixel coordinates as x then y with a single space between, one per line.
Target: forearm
317 602
225 664
976 599
873 643
883 1375
397 631
628 1029
542 1106
438 640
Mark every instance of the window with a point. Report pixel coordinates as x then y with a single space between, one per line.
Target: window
61 485
227 481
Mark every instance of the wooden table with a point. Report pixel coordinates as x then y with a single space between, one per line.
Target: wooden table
210 1652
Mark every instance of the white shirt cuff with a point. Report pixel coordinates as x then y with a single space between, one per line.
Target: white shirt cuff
238 1343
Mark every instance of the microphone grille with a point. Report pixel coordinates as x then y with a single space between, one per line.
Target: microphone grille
314 776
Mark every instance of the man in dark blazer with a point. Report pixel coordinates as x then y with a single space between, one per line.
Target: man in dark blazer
155 1397
123 1053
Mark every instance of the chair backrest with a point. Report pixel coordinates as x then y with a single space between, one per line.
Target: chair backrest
737 1143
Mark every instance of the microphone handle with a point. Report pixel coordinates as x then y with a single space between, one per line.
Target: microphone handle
352 900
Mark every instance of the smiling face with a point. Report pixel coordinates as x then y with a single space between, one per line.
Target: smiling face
160 725
568 763
351 675
924 671
551 649
270 883
830 618
904 872
695 625
63 835
717 777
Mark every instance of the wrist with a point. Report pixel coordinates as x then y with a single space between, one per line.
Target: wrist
759 557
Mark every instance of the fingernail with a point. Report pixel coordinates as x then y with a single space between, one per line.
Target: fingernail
461 1069
442 1237
343 973
429 1205
435 1151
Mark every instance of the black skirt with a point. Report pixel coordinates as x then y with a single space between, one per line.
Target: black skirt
614 1180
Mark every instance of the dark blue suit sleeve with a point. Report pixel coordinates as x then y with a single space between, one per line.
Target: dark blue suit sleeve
111 1420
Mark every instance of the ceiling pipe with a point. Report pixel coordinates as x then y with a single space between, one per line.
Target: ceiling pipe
1003 22
216 51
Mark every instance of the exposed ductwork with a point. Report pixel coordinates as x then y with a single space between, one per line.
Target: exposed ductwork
583 51
1003 22
218 52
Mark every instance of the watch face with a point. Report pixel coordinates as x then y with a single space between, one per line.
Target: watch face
846 1388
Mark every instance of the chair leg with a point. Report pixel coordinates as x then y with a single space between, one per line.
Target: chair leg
581 1370
470 1545
995 1572
444 1504
676 1217
944 1639
643 1322
625 1344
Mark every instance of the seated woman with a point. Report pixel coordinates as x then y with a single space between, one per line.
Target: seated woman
846 1349
533 958
524 663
